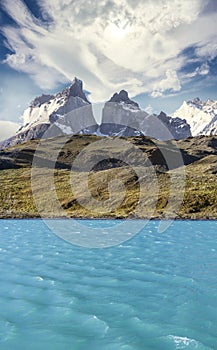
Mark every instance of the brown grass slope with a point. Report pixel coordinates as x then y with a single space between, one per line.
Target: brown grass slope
159 193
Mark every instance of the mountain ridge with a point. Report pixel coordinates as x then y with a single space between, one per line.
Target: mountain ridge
70 112
200 115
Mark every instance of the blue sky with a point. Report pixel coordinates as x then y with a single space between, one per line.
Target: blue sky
162 51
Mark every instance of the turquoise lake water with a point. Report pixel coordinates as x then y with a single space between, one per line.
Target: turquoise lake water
155 291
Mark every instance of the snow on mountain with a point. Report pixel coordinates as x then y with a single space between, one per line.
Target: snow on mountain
61 110
164 127
123 117
200 115
68 112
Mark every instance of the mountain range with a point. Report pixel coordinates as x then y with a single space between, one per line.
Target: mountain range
66 124
70 112
200 115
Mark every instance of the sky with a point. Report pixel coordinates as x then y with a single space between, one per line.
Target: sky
161 51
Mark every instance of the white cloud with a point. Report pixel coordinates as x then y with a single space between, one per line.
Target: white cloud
111 44
203 69
209 50
156 94
170 82
7 129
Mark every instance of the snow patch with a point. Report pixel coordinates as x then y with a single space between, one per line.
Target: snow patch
200 115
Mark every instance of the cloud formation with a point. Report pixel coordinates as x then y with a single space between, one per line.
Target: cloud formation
7 129
111 44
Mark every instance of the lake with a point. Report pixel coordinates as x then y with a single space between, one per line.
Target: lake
155 291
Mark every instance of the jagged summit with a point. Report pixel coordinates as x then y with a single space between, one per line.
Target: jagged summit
70 112
67 112
123 117
198 103
196 100
177 127
122 96
76 89
47 107
200 115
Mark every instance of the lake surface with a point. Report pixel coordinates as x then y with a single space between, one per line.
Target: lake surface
155 291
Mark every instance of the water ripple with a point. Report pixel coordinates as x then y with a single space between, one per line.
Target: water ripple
155 292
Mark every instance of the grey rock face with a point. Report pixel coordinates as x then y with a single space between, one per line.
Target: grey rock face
164 128
123 117
70 112
122 96
76 90
178 127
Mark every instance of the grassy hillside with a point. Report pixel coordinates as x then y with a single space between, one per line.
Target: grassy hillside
136 198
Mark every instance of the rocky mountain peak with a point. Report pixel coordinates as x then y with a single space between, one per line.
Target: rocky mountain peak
200 115
162 115
122 96
196 100
76 89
